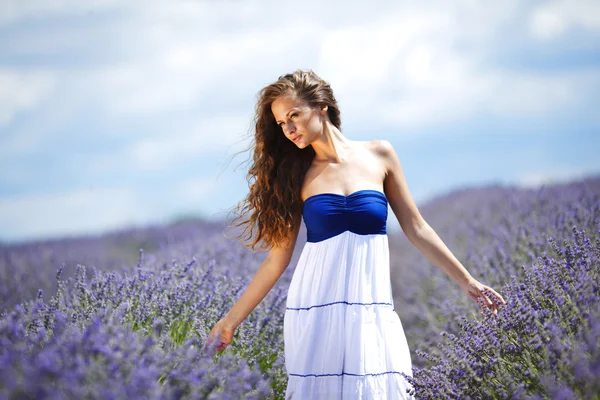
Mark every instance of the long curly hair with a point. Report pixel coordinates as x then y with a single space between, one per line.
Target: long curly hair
276 175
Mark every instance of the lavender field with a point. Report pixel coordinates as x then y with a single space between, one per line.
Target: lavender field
126 314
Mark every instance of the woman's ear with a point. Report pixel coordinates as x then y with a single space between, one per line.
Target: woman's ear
324 109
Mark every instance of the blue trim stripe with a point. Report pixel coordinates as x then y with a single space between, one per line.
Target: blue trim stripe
343 373
336 302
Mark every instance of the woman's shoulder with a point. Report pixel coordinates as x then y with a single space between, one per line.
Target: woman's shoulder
379 147
373 152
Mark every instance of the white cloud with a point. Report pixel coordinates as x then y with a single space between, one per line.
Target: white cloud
406 70
12 11
182 55
547 23
206 136
522 94
21 91
97 210
82 210
199 193
397 66
550 20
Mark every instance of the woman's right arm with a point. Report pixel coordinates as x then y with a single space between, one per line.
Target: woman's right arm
263 281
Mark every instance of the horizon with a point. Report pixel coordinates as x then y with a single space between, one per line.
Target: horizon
393 228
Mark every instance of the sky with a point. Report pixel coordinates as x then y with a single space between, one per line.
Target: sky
127 113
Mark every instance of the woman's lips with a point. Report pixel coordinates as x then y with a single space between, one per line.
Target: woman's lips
296 138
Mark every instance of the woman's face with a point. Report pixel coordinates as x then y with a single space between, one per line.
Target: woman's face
298 121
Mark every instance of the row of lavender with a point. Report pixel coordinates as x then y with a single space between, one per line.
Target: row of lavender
541 248
28 266
139 332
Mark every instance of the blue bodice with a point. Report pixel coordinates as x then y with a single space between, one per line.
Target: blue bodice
328 214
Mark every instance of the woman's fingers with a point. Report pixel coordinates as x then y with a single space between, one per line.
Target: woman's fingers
492 294
222 347
484 296
220 337
491 299
214 339
483 302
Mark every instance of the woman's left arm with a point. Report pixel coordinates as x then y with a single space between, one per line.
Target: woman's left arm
423 237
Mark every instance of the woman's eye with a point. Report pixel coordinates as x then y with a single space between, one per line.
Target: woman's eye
291 116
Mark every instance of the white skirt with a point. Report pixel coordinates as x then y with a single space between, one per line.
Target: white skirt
342 337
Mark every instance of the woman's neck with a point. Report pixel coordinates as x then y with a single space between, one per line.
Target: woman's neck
332 146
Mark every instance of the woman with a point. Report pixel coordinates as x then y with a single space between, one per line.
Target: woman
342 336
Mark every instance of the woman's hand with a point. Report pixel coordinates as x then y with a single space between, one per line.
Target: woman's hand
221 335
483 295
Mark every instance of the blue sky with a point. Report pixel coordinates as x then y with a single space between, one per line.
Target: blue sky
115 114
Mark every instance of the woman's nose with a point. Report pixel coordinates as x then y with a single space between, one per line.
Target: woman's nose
290 128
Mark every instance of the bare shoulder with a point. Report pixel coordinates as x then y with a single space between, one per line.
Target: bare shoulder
376 147
383 150
381 147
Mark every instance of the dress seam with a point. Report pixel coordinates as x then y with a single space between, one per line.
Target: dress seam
344 373
339 302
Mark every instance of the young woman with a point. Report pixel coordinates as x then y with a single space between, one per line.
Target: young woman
342 336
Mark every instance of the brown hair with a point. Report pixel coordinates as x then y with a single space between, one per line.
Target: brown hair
275 178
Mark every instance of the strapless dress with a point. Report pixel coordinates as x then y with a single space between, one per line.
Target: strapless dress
342 336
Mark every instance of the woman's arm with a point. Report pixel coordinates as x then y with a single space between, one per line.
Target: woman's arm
422 236
263 281
265 278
